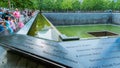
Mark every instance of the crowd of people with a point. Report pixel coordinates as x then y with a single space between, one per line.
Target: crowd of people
10 21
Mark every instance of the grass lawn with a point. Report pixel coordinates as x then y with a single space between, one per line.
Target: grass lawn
82 30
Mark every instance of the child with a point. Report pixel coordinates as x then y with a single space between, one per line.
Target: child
20 24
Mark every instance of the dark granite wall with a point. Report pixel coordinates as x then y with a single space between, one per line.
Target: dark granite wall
116 18
78 18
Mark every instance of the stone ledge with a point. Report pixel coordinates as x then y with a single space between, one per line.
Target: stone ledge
65 38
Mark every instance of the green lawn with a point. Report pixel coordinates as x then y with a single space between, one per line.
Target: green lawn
81 30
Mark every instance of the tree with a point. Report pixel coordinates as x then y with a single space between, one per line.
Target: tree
3 3
86 5
92 5
117 5
18 3
36 4
22 4
47 5
66 5
76 5
57 5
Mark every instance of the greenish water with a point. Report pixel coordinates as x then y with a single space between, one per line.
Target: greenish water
42 28
40 24
82 30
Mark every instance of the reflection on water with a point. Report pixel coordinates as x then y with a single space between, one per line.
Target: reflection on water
42 29
47 34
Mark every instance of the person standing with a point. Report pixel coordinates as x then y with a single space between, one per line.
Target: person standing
16 14
25 15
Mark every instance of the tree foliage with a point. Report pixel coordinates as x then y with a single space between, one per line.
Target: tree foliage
117 5
64 5
76 5
18 3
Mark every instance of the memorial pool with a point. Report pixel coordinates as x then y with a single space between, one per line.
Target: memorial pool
43 28
82 31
